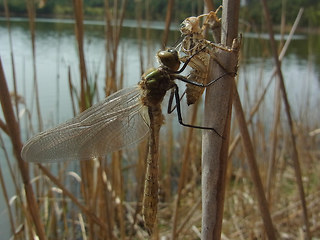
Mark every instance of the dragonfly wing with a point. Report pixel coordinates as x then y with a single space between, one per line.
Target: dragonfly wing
118 121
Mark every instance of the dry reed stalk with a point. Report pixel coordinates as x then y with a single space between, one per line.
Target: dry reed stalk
73 198
114 17
4 127
209 5
276 119
88 170
71 92
78 15
112 36
117 184
217 113
14 135
254 171
170 6
138 14
11 168
104 201
274 141
31 15
255 108
168 163
183 172
7 14
140 173
295 156
188 216
5 195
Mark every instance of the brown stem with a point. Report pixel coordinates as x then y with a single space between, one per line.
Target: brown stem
255 108
218 105
168 21
295 156
254 171
14 133
78 15
31 15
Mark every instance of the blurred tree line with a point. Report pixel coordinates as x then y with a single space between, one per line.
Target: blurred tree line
251 10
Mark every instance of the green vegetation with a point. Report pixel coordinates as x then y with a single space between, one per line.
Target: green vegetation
252 12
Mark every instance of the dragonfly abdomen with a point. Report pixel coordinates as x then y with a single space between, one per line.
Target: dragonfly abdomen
150 198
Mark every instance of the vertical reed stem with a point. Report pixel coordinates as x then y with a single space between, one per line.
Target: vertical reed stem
31 14
295 156
274 70
6 197
274 141
78 15
218 105
183 172
14 133
254 171
168 21
7 13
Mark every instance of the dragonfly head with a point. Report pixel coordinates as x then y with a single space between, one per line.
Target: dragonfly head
169 58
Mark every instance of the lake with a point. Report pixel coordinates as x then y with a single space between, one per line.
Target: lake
56 51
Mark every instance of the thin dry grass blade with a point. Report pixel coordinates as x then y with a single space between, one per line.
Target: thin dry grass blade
74 199
166 176
118 189
71 91
6 199
78 15
276 118
189 215
31 15
112 37
274 141
295 156
10 167
83 228
7 14
138 11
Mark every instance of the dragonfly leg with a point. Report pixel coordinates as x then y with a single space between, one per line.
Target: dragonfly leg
188 60
186 80
170 108
176 94
185 63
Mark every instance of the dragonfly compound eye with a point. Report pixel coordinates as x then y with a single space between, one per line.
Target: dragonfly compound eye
169 58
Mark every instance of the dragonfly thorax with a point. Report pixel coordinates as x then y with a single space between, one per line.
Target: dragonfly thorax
155 83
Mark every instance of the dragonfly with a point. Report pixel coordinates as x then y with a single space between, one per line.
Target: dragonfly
120 120
194 38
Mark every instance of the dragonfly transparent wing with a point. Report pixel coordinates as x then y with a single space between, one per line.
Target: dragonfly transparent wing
118 121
